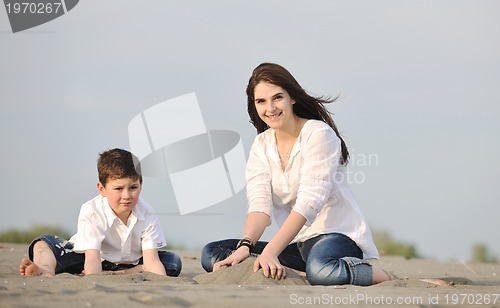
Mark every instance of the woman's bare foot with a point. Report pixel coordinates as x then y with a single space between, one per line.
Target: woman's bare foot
438 282
300 273
379 275
29 268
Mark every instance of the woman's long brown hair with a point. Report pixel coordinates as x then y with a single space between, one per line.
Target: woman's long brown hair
306 106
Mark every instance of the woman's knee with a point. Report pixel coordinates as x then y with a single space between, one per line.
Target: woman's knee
216 251
331 273
346 270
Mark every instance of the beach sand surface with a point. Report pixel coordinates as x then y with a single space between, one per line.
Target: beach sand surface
471 285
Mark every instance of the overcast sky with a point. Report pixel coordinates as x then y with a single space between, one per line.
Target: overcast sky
419 83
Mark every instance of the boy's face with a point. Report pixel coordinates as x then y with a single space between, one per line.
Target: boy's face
122 195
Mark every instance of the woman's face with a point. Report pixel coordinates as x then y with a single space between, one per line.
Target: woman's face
274 105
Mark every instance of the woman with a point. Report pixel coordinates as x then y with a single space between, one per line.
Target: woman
296 172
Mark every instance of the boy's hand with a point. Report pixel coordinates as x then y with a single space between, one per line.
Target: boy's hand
152 262
236 257
92 262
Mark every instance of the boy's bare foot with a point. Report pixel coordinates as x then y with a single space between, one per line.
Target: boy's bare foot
29 268
43 264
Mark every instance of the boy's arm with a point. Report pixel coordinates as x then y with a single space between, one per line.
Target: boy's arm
152 262
92 262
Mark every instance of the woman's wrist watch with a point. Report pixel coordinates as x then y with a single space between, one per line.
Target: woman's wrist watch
245 242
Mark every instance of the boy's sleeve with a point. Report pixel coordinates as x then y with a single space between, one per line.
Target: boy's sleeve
90 233
152 236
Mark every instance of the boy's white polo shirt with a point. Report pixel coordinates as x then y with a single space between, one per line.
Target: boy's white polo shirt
99 228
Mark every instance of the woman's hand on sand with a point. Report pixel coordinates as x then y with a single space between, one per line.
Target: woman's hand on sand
236 257
271 266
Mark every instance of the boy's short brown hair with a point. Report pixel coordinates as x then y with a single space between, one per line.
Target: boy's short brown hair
118 164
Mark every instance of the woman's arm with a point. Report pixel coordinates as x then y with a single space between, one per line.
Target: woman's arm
320 152
152 262
92 263
320 159
255 225
259 201
268 260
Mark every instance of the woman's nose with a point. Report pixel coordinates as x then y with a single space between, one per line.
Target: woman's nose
271 107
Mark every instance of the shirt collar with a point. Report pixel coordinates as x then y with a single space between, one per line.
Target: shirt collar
137 212
273 151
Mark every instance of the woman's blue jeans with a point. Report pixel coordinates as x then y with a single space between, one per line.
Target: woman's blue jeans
328 259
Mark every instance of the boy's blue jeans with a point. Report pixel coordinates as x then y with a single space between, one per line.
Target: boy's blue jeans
328 259
72 262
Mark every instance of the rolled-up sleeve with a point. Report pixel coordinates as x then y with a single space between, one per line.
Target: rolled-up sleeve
152 237
90 232
320 156
258 181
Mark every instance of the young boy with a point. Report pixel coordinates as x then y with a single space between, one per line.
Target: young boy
117 230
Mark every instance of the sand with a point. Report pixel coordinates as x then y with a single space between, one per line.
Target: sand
472 285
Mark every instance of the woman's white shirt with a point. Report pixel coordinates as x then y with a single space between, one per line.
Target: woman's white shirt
313 184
